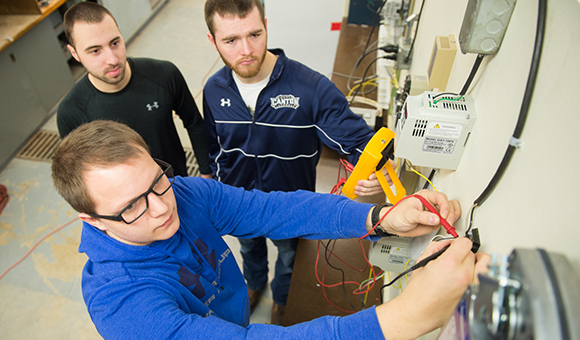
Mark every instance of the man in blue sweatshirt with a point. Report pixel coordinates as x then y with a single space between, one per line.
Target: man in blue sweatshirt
158 267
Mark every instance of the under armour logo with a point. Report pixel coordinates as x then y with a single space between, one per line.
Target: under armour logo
226 102
150 107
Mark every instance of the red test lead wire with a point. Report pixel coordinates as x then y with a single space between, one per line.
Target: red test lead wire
448 227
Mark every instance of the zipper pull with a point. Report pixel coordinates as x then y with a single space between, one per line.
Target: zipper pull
251 113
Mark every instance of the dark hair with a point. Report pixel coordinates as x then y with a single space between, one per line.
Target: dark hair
87 12
230 8
100 143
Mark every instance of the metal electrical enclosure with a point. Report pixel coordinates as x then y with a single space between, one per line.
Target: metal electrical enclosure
484 25
432 129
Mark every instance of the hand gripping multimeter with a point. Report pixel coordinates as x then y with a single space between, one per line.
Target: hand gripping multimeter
374 158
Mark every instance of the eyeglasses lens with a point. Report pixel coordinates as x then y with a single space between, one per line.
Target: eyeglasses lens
138 208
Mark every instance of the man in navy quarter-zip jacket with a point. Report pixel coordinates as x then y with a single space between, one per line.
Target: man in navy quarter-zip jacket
266 119
158 267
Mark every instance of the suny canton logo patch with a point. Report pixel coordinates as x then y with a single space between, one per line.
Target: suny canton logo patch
285 100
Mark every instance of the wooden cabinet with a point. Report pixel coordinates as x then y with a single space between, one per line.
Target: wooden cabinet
11 7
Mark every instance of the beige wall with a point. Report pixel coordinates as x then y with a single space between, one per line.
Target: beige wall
536 203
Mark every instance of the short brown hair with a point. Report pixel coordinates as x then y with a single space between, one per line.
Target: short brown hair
230 8
87 12
100 143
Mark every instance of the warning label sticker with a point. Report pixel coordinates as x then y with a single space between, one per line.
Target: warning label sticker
439 145
398 259
443 130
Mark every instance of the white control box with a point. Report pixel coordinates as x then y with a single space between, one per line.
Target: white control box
433 128
369 115
392 254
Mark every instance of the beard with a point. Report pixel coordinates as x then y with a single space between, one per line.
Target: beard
113 80
246 71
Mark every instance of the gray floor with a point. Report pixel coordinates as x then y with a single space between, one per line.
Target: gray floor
41 296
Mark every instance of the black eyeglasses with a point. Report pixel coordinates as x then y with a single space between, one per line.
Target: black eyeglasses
139 205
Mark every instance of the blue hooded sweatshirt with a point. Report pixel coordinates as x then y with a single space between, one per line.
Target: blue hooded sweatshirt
190 286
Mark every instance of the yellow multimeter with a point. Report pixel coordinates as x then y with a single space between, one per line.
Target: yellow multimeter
374 158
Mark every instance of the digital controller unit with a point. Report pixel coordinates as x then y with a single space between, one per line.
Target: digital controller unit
433 128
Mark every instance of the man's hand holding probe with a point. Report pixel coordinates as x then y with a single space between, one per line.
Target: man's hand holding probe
434 290
411 218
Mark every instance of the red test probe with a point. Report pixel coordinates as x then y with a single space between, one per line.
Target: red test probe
448 227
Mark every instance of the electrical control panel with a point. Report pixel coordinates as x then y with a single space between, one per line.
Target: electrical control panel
392 254
433 128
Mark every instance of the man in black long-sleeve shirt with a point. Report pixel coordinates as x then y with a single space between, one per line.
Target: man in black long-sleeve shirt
142 93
